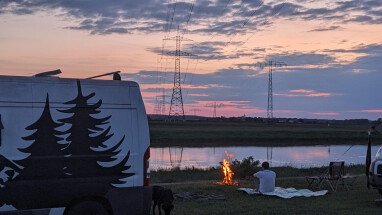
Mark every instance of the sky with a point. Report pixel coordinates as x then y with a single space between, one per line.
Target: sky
332 51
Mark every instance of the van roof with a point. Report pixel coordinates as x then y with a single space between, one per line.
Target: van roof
54 79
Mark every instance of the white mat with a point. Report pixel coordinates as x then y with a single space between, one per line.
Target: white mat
286 193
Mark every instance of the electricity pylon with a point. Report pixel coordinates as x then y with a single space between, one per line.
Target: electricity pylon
160 104
176 112
194 110
270 64
215 106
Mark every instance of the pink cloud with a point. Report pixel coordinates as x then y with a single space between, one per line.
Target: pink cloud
226 108
304 93
184 86
326 113
371 111
319 95
287 111
198 95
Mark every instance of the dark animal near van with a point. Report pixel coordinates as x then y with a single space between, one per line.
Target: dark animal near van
163 198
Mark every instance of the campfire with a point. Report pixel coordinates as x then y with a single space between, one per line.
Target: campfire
227 172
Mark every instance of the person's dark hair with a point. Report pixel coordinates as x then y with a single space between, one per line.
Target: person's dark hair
265 165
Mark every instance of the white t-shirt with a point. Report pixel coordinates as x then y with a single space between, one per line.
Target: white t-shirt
267 180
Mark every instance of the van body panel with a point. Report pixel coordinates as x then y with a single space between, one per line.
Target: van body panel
65 139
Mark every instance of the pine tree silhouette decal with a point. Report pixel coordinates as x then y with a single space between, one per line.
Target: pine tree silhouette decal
86 140
46 159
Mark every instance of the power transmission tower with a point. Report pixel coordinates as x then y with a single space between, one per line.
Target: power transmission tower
215 106
160 104
157 108
270 64
176 107
163 102
160 98
214 115
195 110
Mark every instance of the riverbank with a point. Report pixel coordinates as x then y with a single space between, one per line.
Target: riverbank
176 175
357 200
212 134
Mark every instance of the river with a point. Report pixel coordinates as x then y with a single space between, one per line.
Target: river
296 156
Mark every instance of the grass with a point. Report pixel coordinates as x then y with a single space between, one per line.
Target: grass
358 200
209 134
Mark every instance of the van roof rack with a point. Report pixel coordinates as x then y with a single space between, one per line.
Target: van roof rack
116 75
48 73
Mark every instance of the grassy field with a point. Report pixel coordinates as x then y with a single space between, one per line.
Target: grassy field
358 200
204 134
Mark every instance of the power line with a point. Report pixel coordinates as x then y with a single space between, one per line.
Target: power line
172 18
188 17
242 25
168 26
264 23
222 13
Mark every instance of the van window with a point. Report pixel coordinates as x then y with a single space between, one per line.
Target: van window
378 156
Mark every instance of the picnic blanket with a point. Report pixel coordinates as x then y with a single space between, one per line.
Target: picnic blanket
286 193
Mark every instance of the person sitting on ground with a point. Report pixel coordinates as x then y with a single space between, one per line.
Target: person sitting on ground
265 179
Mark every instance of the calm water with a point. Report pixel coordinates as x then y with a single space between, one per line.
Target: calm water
297 156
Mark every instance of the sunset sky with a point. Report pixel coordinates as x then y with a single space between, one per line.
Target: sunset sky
333 51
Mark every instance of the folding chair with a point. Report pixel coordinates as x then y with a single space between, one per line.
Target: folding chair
336 173
333 176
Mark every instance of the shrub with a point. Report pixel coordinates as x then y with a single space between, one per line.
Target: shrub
247 167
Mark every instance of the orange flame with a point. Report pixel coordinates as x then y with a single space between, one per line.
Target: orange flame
228 174
229 155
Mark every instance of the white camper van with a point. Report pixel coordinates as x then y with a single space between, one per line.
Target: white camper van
375 175
80 145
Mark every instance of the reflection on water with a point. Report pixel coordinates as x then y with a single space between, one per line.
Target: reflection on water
297 156
269 153
176 154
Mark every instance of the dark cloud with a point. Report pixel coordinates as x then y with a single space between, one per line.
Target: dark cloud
330 28
118 16
302 59
370 49
341 11
207 51
365 19
103 17
127 16
294 59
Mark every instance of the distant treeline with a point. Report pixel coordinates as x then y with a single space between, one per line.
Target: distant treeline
210 133
153 117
